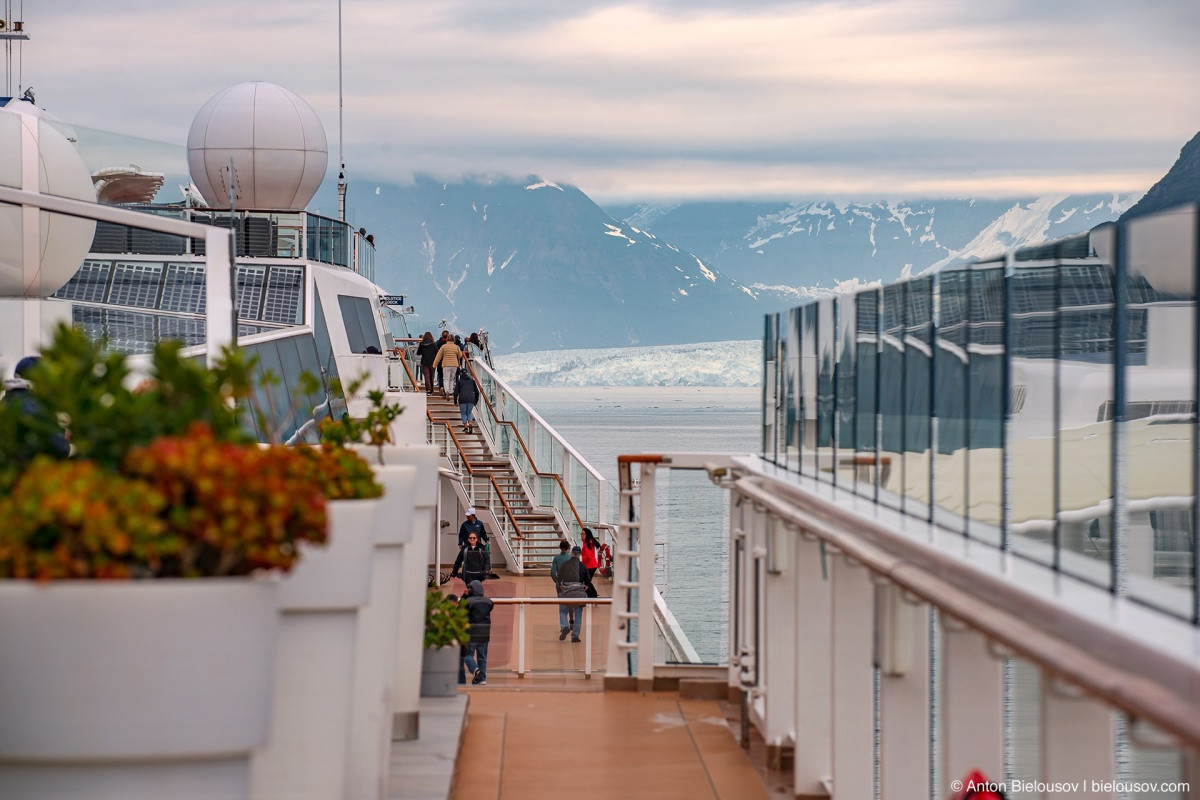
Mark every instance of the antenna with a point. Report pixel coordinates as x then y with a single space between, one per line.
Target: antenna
12 31
341 187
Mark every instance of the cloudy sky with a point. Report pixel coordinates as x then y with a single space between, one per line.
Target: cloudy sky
667 99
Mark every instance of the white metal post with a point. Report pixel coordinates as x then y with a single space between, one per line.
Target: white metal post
972 705
853 679
1077 742
903 695
587 641
521 640
645 547
813 758
779 647
218 292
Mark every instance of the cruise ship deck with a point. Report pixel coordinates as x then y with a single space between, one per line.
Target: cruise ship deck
556 731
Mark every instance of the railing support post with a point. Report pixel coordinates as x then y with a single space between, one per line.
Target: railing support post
972 705
813 757
853 679
1077 740
904 696
645 534
521 641
587 641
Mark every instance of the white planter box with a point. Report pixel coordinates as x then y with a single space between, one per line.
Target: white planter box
306 755
375 662
134 689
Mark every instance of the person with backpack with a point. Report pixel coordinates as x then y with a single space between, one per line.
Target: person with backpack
471 564
479 619
466 394
572 583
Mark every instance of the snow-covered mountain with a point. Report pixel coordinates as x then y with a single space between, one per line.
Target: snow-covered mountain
783 249
541 266
734 363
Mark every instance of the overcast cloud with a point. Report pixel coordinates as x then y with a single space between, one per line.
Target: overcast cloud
667 99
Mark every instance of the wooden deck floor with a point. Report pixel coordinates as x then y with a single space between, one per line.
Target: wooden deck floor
555 733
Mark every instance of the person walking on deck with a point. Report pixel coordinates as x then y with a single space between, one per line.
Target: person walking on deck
479 619
566 614
469 525
571 584
590 553
437 373
427 352
472 562
466 394
448 358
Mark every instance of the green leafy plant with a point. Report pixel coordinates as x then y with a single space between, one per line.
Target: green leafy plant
340 474
445 621
81 393
372 429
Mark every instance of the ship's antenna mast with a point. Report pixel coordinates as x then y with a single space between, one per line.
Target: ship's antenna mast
12 31
341 187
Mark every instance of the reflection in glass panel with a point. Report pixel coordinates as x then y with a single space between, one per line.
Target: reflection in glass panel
846 416
866 354
985 406
918 408
808 389
769 441
1033 399
792 417
1160 409
826 339
1085 394
891 393
950 374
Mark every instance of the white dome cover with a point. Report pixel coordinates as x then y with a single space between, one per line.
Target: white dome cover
28 134
276 143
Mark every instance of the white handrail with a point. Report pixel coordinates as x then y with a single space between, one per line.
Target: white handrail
537 417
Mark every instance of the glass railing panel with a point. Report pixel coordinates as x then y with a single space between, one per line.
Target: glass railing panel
918 406
1032 426
826 349
845 392
772 356
693 559
869 466
985 402
951 363
809 350
892 378
1086 344
1156 546
791 412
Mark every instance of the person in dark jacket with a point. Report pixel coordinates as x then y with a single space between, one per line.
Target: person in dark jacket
471 524
471 562
566 614
479 616
572 582
427 352
466 394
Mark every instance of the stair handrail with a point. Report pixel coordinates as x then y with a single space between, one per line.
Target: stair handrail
470 471
521 440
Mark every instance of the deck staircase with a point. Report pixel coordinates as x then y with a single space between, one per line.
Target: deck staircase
492 481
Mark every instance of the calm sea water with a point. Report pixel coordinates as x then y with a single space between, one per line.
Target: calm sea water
602 423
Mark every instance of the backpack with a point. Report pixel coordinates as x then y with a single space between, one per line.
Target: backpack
474 562
467 392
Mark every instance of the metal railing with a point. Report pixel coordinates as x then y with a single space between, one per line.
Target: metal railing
523 602
558 475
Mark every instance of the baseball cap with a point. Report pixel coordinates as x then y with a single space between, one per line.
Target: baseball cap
471 511
576 550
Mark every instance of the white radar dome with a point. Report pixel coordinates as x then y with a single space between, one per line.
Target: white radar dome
273 140
29 138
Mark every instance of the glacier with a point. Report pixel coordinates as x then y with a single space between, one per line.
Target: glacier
729 363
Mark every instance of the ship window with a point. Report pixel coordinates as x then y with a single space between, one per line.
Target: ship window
361 331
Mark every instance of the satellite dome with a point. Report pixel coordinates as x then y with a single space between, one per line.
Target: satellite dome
29 136
274 140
